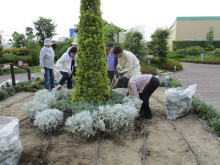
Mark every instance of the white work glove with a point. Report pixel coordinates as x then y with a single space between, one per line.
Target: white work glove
57 71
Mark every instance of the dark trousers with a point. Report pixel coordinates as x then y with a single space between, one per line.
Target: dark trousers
67 78
123 82
48 79
110 76
147 92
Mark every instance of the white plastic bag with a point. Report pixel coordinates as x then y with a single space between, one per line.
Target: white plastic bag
10 145
179 101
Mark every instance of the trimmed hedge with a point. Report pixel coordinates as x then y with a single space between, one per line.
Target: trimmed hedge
199 61
168 65
185 44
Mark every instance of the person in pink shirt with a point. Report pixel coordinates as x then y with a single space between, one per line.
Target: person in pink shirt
142 86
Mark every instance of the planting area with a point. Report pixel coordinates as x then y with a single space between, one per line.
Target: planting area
164 142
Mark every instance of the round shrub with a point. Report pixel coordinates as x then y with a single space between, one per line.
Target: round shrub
146 69
3 95
170 63
17 51
194 50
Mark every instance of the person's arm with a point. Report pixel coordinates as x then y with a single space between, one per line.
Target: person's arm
42 54
133 87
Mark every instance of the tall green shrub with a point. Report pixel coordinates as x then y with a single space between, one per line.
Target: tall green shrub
91 79
135 44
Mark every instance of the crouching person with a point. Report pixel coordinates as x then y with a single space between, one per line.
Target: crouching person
142 87
66 64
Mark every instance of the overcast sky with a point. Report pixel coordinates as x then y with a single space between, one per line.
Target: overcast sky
16 15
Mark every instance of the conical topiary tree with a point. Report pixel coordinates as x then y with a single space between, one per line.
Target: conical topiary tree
91 77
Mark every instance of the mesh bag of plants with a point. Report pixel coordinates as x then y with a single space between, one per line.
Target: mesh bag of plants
10 145
179 101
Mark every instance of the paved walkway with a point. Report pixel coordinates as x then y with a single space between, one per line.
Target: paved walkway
206 76
207 79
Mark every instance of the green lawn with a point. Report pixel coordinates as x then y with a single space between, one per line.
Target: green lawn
34 69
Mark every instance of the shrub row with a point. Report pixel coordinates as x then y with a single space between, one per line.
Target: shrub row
172 83
184 44
208 113
199 61
17 51
11 58
26 86
168 65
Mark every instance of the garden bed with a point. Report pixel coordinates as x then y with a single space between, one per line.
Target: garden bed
163 144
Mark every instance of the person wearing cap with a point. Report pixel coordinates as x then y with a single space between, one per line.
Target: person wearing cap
75 43
47 63
128 64
66 65
111 60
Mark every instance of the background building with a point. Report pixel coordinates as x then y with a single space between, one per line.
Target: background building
193 29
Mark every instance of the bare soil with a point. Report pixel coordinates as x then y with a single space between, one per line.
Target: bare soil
164 145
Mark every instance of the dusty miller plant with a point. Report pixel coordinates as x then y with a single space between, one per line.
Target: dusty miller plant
45 97
81 124
48 120
32 108
62 93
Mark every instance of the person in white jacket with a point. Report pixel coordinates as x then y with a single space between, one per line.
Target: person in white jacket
66 64
128 65
47 63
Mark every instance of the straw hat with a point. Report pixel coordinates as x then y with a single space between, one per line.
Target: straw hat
74 42
47 41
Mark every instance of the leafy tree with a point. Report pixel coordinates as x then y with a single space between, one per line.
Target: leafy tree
210 39
134 43
45 29
34 51
159 39
18 40
91 77
29 34
151 47
110 33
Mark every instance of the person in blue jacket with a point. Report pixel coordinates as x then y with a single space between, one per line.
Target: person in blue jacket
111 60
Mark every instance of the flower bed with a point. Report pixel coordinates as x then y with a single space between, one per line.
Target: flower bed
112 116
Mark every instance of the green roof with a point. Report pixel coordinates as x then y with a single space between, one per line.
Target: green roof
198 18
195 18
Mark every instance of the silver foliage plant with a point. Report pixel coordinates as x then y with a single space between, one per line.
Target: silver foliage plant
81 124
111 119
48 120
32 108
62 93
45 97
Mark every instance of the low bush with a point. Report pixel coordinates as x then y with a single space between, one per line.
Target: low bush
175 56
208 113
3 95
173 83
194 50
170 63
26 86
216 52
147 69
17 51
